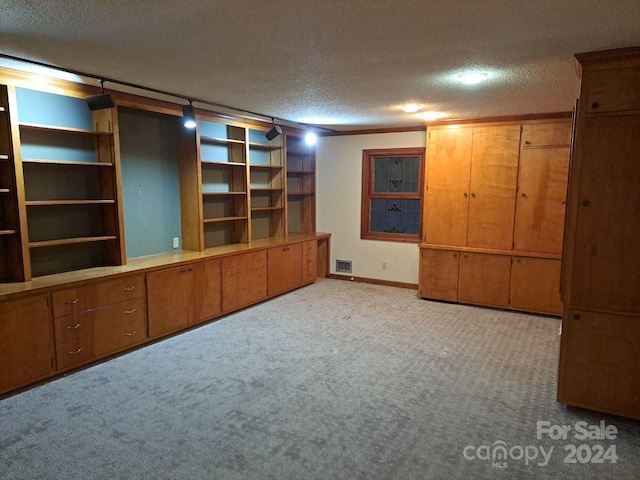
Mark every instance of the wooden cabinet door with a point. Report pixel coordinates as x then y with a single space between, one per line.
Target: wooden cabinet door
484 279
546 135
494 172
167 300
447 195
205 291
541 199
284 268
606 263
535 285
27 348
600 362
439 274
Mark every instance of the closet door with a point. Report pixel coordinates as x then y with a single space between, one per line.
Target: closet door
494 172
541 200
606 264
449 166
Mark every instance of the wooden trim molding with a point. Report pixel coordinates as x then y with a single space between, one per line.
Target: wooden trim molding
374 281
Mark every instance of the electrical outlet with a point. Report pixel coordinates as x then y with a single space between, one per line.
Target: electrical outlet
384 265
176 242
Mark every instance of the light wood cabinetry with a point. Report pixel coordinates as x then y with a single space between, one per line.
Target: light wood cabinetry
70 194
12 268
599 360
26 342
439 274
495 197
494 172
244 280
448 173
213 186
96 320
542 187
284 268
535 285
301 186
484 279
183 295
268 182
309 261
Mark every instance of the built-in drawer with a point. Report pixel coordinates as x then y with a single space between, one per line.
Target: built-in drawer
243 280
91 322
309 269
243 262
244 296
85 349
80 299
310 248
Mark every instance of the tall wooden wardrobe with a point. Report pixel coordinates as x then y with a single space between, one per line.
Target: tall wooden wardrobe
600 347
494 213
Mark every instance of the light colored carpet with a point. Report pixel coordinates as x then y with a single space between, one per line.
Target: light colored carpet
337 380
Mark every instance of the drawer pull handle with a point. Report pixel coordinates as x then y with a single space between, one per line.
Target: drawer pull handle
72 302
75 352
75 327
128 289
129 312
130 334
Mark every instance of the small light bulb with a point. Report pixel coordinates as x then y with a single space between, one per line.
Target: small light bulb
472 78
310 138
411 107
188 123
431 115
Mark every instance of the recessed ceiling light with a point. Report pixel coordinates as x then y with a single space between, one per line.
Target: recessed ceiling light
310 138
431 115
411 107
471 78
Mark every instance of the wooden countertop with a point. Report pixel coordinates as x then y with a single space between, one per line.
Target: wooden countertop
9 291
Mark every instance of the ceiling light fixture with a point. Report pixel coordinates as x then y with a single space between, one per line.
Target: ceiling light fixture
189 115
100 101
431 115
311 138
411 107
472 78
275 130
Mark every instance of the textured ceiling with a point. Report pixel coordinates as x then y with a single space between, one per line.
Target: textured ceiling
344 63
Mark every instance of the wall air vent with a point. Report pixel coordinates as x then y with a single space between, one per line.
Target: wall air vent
343 266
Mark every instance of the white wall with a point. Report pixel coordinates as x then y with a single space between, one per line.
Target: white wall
339 190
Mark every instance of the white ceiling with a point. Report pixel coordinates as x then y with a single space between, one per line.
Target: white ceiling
345 63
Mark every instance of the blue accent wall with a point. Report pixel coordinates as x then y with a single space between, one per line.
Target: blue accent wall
150 181
58 111
52 109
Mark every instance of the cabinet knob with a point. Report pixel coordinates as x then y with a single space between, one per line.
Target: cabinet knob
473 195
465 195
455 255
74 327
586 203
524 195
130 334
128 289
595 105
576 316
527 142
184 270
75 352
129 312
72 302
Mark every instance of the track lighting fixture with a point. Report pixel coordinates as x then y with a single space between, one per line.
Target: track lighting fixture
101 101
274 132
188 115
311 138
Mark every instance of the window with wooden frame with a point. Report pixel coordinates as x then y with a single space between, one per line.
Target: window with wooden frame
392 185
